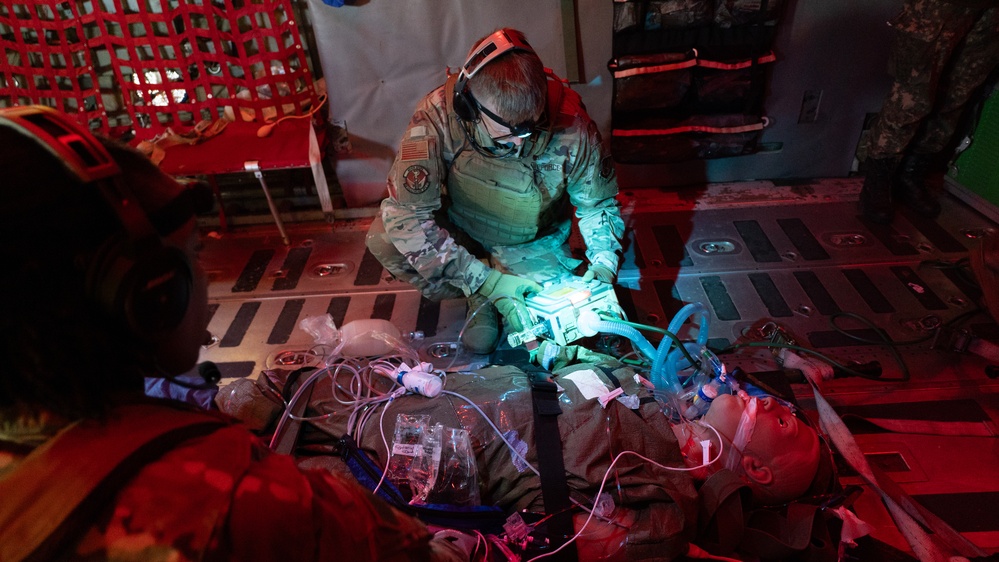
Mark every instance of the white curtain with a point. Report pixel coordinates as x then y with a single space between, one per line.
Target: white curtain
379 57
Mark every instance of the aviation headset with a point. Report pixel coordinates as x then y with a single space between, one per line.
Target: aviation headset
133 276
466 107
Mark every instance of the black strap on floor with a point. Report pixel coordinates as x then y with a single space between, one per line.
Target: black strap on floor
286 441
554 489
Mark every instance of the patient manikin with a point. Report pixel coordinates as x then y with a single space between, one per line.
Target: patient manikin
656 503
761 441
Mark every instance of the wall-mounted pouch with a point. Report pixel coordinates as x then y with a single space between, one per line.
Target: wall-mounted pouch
656 14
650 82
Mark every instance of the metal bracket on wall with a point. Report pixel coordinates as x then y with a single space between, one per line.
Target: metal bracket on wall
570 39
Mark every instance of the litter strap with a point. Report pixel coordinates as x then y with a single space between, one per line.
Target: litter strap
548 442
909 516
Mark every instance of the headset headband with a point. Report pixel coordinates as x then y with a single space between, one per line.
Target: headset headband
84 157
76 148
91 163
134 278
490 48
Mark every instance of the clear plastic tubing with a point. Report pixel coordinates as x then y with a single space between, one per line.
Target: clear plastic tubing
590 325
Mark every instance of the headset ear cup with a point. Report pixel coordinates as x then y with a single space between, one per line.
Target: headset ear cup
464 107
163 292
147 295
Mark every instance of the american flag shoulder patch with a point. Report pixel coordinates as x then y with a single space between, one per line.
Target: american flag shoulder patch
415 150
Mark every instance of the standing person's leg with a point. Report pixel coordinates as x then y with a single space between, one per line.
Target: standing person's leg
971 63
925 35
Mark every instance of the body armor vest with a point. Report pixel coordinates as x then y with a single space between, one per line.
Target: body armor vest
501 201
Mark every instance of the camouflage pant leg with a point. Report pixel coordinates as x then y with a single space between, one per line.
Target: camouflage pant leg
395 263
973 61
926 34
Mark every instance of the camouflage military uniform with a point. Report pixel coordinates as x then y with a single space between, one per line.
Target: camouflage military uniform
226 496
942 52
450 206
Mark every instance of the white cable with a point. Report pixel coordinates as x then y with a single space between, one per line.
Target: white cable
359 393
481 539
381 429
603 482
285 416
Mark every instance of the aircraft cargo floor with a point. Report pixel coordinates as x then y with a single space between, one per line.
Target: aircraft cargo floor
796 254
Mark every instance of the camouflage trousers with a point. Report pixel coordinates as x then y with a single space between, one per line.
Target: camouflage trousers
546 259
941 53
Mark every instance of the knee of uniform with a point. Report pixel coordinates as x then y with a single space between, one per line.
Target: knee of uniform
904 111
379 244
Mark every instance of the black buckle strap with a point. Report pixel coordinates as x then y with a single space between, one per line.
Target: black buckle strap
548 441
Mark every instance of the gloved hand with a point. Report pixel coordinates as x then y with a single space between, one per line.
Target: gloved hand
507 293
601 273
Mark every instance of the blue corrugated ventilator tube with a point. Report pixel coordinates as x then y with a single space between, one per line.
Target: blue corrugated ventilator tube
665 363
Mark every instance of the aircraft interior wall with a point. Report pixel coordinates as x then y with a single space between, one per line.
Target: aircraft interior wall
380 57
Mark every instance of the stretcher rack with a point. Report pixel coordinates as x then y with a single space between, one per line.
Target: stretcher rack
137 70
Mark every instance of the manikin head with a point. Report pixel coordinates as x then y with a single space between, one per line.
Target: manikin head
775 452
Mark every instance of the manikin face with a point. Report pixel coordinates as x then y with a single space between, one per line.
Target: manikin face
779 439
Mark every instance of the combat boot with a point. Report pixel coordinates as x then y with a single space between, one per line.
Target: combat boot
910 185
482 330
875 196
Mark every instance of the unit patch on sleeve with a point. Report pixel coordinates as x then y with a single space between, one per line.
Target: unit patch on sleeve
416 179
414 150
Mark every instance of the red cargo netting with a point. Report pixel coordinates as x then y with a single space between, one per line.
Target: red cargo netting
47 60
154 64
180 65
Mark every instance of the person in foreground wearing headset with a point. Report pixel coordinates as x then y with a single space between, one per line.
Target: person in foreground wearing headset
103 287
481 190
659 511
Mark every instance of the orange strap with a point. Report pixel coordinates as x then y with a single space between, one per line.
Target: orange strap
704 63
81 468
759 126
